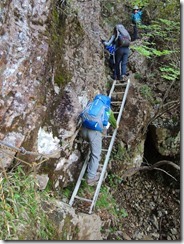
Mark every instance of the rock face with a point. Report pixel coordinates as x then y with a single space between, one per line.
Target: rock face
34 109
167 140
72 226
23 49
29 95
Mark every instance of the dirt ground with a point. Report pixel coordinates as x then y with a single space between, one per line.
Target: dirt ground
152 204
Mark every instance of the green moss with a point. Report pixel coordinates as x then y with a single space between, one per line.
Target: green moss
62 78
146 92
121 154
56 34
69 228
137 76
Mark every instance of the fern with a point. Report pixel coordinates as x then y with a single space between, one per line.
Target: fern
170 72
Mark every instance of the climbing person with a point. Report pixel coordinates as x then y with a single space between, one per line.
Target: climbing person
136 18
121 39
96 118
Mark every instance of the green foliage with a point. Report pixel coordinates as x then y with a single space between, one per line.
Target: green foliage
21 214
120 153
123 213
167 9
106 201
113 180
139 3
109 6
149 52
137 76
67 192
162 33
146 92
85 189
108 85
143 50
169 72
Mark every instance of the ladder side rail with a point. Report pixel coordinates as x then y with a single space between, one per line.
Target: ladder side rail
109 150
112 88
79 180
123 101
103 171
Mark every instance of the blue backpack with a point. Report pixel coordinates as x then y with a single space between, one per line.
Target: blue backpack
96 115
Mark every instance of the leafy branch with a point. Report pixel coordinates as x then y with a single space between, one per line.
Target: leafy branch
162 40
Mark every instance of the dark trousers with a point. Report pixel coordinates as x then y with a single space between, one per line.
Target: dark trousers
121 59
135 34
112 63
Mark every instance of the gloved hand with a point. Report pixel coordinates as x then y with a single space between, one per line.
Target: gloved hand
102 41
104 132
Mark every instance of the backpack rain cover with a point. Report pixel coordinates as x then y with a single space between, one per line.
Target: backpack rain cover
96 114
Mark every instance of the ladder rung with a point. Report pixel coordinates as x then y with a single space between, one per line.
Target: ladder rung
118 92
116 102
84 199
105 150
108 136
115 112
121 84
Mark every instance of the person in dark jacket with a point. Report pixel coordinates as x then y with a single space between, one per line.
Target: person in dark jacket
121 52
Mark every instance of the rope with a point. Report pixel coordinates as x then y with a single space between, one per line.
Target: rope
24 151
5 146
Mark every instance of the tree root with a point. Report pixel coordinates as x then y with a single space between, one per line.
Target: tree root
134 170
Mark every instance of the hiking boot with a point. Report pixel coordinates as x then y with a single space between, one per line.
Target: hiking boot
100 167
93 181
124 78
114 77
